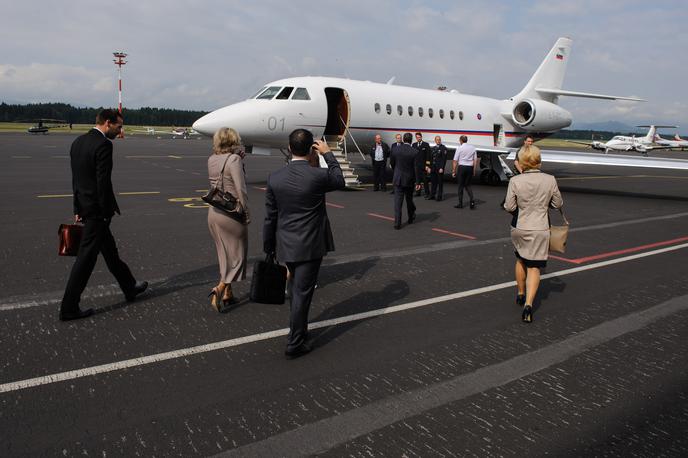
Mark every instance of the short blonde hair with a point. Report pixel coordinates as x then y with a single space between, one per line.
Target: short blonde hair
226 140
529 158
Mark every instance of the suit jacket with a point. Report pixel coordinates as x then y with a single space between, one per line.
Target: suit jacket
91 160
394 147
296 224
404 160
424 154
385 152
532 193
439 157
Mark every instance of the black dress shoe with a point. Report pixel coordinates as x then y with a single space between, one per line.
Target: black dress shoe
472 205
458 206
68 316
439 199
397 226
301 350
140 287
412 218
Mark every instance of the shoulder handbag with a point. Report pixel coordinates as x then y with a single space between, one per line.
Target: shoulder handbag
221 199
268 281
70 238
558 235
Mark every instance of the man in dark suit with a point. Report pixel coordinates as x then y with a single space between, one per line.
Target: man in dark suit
397 143
404 161
297 228
95 205
379 153
424 158
438 162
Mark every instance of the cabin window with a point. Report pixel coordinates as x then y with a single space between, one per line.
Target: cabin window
451 114
430 112
301 94
441 113
410 110
254 95
269 93
389 109
377 108
284 93
420 111
400 110
461 115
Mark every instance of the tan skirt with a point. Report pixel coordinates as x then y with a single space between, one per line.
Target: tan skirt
531 245
231 242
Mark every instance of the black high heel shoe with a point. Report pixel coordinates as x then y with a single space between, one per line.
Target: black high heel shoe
520 300
527 315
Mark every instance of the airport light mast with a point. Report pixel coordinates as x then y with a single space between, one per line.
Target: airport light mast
119 61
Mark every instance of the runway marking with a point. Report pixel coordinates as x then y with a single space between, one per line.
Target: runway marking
330 204
619 252
260 188
200 190
21 157
375 215
205 348
60 157
158 156
50 196
455 234
328 433
174 157
180 170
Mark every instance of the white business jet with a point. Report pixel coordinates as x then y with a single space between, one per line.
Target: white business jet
677 142
337 108
632 143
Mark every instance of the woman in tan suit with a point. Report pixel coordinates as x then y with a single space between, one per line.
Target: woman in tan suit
229 231
528 198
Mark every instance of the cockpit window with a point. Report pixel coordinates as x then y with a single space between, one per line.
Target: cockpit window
285 93
254 95
269 93
301 94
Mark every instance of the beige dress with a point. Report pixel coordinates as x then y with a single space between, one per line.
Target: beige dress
229 234
532 193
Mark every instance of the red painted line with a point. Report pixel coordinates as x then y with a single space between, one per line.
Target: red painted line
455 234
619 252
375 215
329 204
259 188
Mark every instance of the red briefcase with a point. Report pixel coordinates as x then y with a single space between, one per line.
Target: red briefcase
70 237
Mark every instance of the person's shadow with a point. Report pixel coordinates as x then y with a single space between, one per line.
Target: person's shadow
550 285
330 274
429 216
361 302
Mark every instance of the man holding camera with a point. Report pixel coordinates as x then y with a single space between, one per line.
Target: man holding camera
296 226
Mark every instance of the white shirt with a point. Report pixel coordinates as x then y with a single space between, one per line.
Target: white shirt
378 153
465 154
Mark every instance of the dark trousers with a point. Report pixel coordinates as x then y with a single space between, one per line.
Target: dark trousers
379 175
425 180
96 238
304 276
401 192
437 179
464 175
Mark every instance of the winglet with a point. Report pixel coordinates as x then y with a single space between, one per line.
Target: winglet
391 80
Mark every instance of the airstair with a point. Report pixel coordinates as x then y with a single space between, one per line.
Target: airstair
337 145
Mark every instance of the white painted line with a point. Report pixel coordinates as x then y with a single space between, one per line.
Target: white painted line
174 354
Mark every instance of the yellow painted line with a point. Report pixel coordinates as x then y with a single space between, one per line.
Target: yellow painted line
144 157
47 196
201 190
138 193
21 157
175 157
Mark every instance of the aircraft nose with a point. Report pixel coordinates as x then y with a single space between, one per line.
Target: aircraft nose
239 116
204 125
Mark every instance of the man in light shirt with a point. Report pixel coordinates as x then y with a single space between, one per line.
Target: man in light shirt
379 154
465 167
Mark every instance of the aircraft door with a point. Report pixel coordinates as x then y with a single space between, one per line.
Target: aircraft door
498 135
338 112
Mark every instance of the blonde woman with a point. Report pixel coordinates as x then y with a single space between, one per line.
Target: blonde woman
529 197
229 231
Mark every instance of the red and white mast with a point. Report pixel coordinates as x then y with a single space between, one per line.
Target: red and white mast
119 61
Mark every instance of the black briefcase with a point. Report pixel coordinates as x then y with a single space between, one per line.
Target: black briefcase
268 281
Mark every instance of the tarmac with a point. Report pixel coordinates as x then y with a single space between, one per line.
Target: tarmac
419 349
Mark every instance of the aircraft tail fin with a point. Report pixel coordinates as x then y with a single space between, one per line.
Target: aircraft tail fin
550 73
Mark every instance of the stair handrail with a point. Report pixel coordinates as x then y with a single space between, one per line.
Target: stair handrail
346 129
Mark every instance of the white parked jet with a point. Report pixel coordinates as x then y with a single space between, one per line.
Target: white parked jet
337 108
677 142
630 143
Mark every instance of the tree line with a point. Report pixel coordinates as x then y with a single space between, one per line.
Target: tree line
145 116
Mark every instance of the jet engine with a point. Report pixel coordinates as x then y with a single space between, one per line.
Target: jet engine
540 116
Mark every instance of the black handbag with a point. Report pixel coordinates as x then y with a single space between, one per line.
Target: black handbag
268 281
70 238
221 199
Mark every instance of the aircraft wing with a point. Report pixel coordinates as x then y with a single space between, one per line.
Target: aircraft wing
574 157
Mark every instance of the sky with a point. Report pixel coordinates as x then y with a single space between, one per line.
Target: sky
202 55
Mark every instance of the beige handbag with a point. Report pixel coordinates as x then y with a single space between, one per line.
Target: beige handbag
558 235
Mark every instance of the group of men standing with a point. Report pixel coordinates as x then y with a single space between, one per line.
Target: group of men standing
419 166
